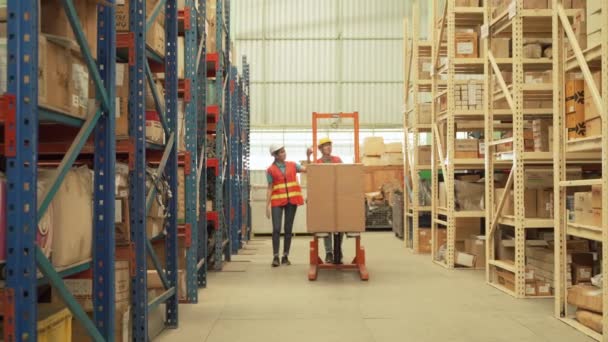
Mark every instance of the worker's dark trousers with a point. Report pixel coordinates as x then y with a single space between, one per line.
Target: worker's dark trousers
277 217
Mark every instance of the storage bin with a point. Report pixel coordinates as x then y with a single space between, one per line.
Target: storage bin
54 323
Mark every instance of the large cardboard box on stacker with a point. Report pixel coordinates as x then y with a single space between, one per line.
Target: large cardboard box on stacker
335 200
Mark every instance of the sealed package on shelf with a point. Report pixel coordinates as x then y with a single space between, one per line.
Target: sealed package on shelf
72 219
469 196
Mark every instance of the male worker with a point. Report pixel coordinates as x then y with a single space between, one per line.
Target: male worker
283 195
325 147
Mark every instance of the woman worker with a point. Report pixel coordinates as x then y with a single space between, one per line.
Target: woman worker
325 147
283 196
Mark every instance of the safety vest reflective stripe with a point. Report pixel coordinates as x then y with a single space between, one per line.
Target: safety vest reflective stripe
284 185
285 195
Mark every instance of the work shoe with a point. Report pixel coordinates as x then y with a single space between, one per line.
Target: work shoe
275 262
285 260
329 258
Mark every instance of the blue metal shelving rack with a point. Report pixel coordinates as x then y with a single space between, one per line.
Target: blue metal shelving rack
21 116
246 188
201 136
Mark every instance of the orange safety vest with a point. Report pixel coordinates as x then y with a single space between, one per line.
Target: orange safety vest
333 160
285 187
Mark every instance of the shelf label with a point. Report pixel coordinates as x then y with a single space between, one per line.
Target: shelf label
512 9
485 31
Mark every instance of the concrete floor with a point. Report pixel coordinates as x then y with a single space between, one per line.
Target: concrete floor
407 298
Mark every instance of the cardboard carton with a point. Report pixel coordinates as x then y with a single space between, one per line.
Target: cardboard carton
393 148
424 68
596 219
424 240
540 130
533 50
575 108
373 146
544 203
501 47
596 196
582 206
424 113
530 275
464 259
122 100
60 27
373 161
123 14
591 111
581 273
531 289
591 320
477 247
424 155
593 127
586 297
335 198
467 45
466 148
543 288
393 159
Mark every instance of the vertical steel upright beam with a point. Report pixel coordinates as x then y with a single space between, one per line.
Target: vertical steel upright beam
171 305
104 180
137 171
190 133
450 136
488 99
518 146
21 159
435 48
604 150
201 98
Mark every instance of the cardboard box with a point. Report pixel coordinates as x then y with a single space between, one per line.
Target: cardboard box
530 275
442 237
586 297
543 288
393 159
591 320
596 196
123 14
464 259
467 45
424 155
122 101
575 108
575 122
424 68
581 273
531 289
508 206
63 79
373 161
466 148
544 203
81 286
593 127
477 247
373 146
60 27
591 111
425 114
501 47
155 39
537 77
536 4
424 240
540 130
335 198
122 221
533 50
154 282
596 219
582 206
393 148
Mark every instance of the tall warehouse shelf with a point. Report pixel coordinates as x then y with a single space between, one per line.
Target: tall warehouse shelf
417 130
580 60
218 106
96 47
457 124
519 114
246 150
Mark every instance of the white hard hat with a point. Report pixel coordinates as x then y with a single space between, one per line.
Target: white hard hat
274 148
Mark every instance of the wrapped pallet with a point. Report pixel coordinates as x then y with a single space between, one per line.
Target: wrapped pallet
72 219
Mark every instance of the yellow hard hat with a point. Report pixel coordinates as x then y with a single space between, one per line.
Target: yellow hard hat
324 141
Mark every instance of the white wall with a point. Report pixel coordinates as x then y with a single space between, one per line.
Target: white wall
324 56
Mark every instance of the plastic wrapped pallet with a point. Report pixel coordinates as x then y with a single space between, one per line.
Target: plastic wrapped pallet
586 297
72 217
469 196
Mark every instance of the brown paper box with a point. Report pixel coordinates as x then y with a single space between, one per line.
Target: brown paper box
581 273
586 297
55 21
544 203
467 45
596 196
424 240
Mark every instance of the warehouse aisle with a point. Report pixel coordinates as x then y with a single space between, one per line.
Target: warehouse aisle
407 299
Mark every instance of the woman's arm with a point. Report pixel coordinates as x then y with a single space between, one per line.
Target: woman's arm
268 203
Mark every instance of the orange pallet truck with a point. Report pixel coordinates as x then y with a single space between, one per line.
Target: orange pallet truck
316 262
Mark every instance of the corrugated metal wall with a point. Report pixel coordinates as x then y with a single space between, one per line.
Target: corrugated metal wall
324 56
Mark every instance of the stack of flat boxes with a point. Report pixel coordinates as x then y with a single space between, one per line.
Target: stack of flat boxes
469 96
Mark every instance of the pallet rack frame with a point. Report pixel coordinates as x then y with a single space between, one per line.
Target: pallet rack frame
22 115
414 85
246 150
451 17
519 21
596 58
